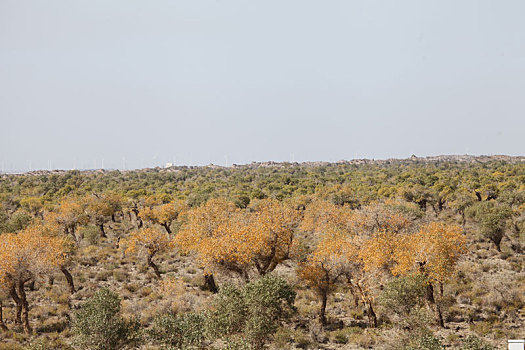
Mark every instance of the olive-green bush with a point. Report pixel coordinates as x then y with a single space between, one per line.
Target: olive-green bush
98 325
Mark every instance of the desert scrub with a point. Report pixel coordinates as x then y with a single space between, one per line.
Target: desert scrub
98 325
425 342
182 331
254 311
474 343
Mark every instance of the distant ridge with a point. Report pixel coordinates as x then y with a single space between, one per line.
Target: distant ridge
413 159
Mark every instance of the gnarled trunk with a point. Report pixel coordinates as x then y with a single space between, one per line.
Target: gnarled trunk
2 324
18 304
372 317
69 279
25 306
139 220
153 266
429 294
433 305
209 283
167 227
353 292
322 312
102 232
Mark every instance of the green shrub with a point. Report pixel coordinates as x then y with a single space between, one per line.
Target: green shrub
18 221
404 298
90 233
425 342
228 314
97 325
269 300
255 311
184 331
340 336
474 343
46 344
492 219
236 344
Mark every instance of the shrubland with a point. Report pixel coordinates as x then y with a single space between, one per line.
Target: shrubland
387 255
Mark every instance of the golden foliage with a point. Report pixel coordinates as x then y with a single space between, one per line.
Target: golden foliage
224 236
434 250
70 213
325 217
164 214
149 240
29 253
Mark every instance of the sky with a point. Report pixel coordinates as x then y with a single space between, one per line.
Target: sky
132 84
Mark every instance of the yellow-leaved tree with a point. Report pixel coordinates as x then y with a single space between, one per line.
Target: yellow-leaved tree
164 214
204 233
324 267
270 236
433 251
70 214
24 256
239 240
149 241
100 210
50 227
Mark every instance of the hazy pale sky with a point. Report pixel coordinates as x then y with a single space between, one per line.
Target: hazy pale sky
86 80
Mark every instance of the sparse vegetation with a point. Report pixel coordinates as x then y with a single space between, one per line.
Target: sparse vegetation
277 255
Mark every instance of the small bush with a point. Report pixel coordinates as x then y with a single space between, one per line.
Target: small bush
97 325
90 234
404 300
425 342
340 337
402 294
228 314
178 331
474 343
254 311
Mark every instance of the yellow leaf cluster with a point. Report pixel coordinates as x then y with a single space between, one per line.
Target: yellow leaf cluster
235 239
149 240
434 251
30 253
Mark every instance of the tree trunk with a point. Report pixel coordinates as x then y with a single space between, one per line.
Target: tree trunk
441 204
18 303
25 305
167 227
497 242
209 283
31 285
2 324
139 220
71 231
153 266
372 318
463 218
434 305
322 313
69 279
354 294
102 232
478 195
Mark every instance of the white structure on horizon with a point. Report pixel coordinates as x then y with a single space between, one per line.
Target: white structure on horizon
168 165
